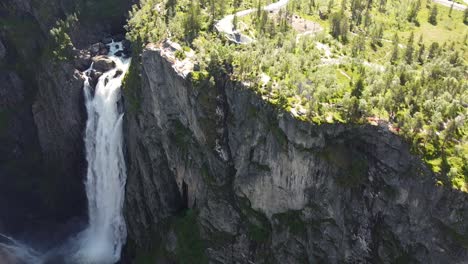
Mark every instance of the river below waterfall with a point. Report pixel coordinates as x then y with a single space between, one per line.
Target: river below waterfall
102 241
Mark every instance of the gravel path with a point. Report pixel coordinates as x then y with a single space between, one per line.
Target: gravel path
226 24
448 3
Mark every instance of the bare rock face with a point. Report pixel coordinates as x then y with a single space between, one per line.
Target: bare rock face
2 50
263 187
11 90
18 152
103 63
60 118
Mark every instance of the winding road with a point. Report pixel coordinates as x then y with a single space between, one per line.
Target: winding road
226 25
448 3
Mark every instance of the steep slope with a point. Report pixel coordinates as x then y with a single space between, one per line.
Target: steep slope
215 174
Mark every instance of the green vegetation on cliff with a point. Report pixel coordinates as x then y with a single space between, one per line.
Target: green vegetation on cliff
185 230
61 46
399 64
190 247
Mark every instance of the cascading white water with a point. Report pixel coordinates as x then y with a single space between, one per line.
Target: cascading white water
102 242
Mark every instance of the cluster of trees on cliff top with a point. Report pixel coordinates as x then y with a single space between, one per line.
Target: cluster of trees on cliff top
402 63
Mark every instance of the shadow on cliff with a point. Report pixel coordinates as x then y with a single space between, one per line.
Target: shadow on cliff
264 187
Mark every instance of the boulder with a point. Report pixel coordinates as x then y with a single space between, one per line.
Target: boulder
82 60
94 77
103 63
107 40
94 49
98 49
117 73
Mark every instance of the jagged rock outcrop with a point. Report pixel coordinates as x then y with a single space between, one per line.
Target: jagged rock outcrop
263 187
103 63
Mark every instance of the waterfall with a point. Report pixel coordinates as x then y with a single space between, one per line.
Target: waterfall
102 241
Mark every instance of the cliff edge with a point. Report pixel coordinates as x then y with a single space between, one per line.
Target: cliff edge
218 175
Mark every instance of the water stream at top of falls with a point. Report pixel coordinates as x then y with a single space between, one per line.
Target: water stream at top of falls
101 242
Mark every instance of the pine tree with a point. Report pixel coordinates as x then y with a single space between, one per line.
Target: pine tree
465 16
344 29
237 3
221 8
382 5
367 19
331 3
358 88
451 9
262 21
357 7
212 6
376 35
433 50
335 24
170 7
409 49
311 6
421 54
192 21
433 15
414 9
394 57
359 45
259 9
454 58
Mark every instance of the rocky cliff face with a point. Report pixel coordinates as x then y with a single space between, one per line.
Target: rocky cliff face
217 175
